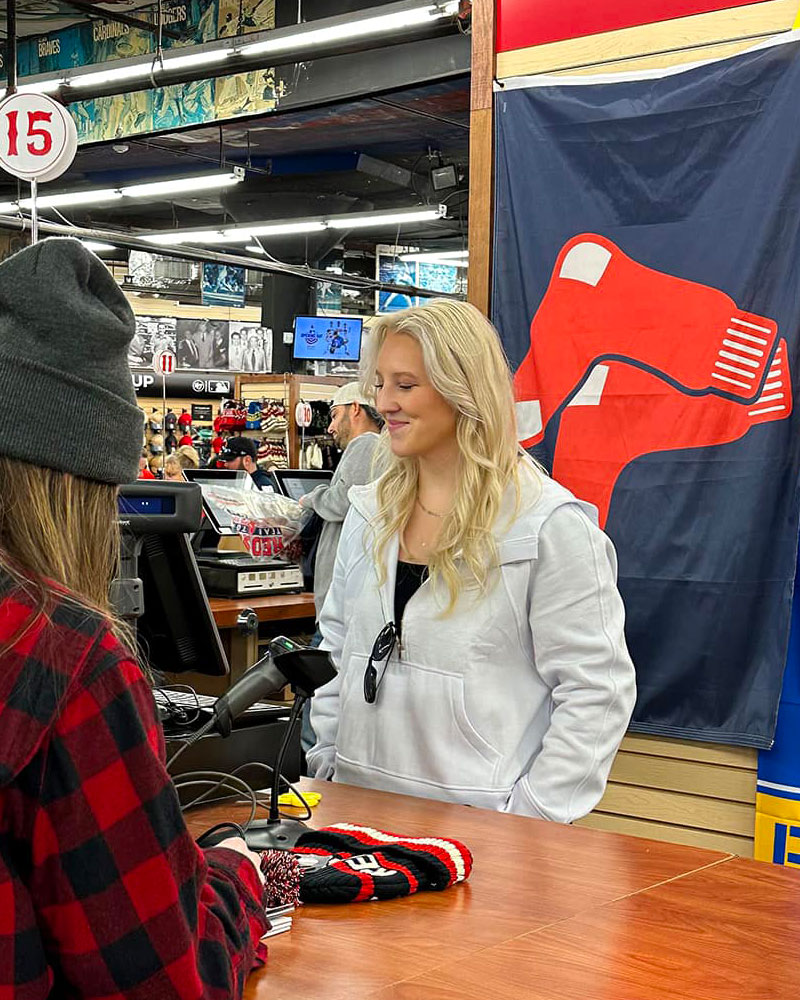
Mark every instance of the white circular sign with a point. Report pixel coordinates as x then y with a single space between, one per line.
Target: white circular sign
38 138
302 414
164 362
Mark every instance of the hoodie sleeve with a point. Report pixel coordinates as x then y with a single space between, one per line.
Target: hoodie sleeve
321 758
129 905
577 621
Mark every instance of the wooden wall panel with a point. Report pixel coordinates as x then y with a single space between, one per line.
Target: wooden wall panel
681 791
664 44
481 155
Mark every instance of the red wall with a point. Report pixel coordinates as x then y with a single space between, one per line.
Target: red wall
531 22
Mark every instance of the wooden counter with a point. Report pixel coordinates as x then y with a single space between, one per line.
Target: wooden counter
550 913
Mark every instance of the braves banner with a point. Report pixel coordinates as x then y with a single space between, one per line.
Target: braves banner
647 289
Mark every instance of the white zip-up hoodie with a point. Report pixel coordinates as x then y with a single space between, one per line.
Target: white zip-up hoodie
516 701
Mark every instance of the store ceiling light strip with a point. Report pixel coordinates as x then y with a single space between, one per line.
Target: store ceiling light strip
154 189
356 28
244 234
453 257
382 24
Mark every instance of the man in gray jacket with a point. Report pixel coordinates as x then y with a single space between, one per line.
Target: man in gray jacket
355 426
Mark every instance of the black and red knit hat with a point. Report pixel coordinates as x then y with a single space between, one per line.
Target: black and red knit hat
345 863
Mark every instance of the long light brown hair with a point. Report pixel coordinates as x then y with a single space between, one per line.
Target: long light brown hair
55 527
465 363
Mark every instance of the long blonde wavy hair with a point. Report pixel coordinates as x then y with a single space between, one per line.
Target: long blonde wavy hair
62 528
465 363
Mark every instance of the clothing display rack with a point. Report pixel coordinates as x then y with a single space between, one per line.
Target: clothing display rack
291 389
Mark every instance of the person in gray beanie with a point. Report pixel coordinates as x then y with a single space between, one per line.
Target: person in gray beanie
65 326
104 890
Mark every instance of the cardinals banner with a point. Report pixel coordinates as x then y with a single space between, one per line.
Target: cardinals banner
647 290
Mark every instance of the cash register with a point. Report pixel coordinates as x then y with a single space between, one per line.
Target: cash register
158 591
228 573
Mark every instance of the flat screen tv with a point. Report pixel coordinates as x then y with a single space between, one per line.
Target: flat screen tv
327 338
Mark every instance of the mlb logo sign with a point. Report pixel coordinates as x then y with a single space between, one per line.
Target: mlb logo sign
165 363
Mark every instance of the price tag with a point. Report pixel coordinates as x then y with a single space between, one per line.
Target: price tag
38 138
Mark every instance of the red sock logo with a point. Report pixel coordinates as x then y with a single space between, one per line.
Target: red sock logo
601 305
623 412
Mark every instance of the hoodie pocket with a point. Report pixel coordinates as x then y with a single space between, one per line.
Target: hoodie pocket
418 728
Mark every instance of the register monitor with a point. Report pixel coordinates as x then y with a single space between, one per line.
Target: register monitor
295 482
175 628
207 479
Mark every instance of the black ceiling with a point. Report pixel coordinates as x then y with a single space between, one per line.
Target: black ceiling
298 163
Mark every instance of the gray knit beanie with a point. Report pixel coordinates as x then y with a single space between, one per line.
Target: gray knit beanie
66 396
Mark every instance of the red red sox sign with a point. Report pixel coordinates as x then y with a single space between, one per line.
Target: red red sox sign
38 138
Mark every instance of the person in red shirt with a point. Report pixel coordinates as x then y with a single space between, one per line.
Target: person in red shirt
103 892
144 471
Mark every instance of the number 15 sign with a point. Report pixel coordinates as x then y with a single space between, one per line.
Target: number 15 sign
38 138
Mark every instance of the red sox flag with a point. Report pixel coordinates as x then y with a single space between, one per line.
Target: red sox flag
647 290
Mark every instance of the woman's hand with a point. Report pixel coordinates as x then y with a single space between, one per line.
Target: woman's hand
237 844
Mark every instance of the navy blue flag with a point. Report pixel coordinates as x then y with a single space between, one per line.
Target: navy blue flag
647 290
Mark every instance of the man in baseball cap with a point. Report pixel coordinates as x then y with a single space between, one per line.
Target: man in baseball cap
241 453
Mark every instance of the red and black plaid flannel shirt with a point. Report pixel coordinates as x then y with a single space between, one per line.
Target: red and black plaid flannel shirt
103 892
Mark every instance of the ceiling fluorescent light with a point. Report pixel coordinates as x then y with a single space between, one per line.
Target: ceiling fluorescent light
196 59
286 228
111 75
255 248
454 257
178 236
180 185
96 246
143 69
70 198
432 258
355 28
7 207
243 234
367 220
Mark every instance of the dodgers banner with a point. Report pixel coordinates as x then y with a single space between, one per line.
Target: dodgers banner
647 290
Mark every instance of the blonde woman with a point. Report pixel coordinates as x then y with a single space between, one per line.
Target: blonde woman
473 615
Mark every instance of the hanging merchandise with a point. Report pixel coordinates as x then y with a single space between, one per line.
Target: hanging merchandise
170 422
184 420
320 416
272 454
273 417
170 442
253 422
232 416
186 439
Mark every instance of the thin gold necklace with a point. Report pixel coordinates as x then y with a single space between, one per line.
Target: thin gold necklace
432 512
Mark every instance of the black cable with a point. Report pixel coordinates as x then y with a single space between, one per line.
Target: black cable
285 780
206 728
220 826
237 785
